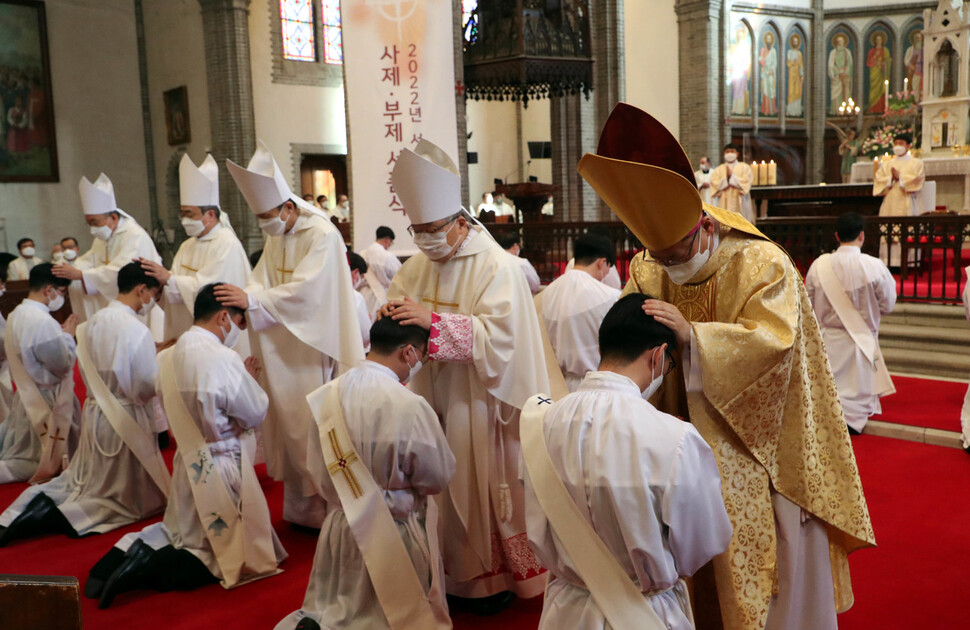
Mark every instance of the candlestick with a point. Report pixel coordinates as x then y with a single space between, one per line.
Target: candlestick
772 173
886 102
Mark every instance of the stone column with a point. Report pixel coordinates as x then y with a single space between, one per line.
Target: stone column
702 94
576 122
226 29
816 101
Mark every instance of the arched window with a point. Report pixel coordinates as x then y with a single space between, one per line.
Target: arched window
333 48
469 21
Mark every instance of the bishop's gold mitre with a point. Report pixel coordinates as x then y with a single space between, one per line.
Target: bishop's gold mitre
645 177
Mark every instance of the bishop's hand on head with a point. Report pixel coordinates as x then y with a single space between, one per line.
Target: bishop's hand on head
155 270
231 295
64 270
407 312
671 317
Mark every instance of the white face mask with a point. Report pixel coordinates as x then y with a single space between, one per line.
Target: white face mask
232 337
273 227
56 303
435 245
102 233
2 291
69 254
730 157
28 252
359 283
147 307
57 258
655 383
192 227
412 369
900 150
679 274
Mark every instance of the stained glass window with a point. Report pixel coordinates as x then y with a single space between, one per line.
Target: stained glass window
469 20
296 17
333 49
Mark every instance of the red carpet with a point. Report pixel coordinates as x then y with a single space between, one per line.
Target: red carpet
936 281
924 402
919 498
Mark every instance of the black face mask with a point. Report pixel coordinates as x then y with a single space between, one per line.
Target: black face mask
705 169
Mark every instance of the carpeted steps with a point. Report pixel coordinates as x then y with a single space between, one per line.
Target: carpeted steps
931 340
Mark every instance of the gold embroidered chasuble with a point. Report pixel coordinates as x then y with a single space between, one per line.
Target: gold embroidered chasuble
769 410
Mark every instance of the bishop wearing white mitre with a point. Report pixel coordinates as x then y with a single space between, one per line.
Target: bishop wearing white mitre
42 429
486 360
301 306
118 239
212 253
850 292
117 476
573 305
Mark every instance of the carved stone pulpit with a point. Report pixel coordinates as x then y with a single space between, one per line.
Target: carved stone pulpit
528 197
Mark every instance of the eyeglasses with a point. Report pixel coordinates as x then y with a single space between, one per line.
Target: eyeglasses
671 365
434 231
670 262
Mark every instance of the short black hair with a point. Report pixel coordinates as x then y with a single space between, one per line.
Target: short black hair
255 256
849 226
590 247
206 305
319 197
627 332
25 239
3 271
903 136
69 238
387 335
507 240
731 145
42 275
357 262
215 209
385 232
133 274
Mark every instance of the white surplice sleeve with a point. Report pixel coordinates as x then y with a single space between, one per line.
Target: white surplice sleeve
693 507
426 460
247 402
54 350
885 288
144 368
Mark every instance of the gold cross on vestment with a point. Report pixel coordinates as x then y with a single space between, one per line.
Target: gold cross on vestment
187 268
435 303
283 270
342 465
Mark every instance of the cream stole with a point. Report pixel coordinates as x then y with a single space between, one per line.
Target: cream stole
241 538
52 424
398 588
141 443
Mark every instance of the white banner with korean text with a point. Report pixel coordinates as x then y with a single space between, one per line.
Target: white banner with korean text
399 75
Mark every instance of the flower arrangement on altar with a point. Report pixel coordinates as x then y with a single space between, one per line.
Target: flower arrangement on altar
902 104
880 139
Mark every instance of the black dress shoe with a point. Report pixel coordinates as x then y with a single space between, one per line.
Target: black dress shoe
40 517
853 431
482 606
101 571
164 441
130 575
307 624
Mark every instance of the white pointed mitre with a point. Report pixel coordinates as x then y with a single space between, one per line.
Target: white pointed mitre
261 183
99 197
427 183
198 185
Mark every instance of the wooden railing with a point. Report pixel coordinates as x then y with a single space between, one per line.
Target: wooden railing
927 261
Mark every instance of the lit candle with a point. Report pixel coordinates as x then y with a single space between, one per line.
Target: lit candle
886 83
764 173
905 84
772 173
875 166
755 174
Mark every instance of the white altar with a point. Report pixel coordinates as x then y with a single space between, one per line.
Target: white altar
947 182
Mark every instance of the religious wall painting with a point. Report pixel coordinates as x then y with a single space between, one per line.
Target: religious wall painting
768 73
840 66
913 60
28 149
740 66
795 75
177 116
878 70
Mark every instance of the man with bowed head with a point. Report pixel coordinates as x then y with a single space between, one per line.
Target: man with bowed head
486 360
754 380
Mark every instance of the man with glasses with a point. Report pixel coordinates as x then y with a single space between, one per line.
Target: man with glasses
754 381
486 361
